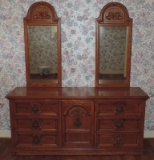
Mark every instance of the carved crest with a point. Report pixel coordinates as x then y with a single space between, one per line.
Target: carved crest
114 12
114 16
41 12
77 112
41 15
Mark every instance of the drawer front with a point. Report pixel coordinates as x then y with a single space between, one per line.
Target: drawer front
118 108
36 140
123 139
37 108
120 124
77 124
32 124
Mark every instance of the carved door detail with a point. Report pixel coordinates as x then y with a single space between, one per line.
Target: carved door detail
77 124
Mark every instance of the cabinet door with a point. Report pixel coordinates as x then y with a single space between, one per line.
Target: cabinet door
77 124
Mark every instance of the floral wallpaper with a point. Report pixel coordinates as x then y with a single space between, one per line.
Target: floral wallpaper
78 47
112 49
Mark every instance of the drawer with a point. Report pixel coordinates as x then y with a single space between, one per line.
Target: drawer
36 140
115 139
27 124
37 108
118 108
121 124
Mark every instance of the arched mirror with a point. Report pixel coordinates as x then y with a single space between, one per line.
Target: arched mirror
113 46
42 46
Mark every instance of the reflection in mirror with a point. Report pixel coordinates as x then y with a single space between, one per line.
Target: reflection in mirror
43 53
113 53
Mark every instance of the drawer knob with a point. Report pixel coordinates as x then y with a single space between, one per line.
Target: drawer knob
35 109
119 108
36 140
119 124
77 122
117 140
35 124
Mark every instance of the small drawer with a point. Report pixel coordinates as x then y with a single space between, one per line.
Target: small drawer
117 108
36 140
120 124
115 139
36 124
37 108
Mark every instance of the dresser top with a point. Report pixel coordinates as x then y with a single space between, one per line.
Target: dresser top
76 92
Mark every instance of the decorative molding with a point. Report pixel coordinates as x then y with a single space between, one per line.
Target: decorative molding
114 12
114 16
77 111
41 15
43 12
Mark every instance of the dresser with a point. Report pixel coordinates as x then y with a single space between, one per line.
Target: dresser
77 121
74 123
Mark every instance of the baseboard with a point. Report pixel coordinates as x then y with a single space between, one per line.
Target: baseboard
149 134
7 134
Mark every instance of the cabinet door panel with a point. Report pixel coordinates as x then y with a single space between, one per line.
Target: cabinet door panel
78 140
77 123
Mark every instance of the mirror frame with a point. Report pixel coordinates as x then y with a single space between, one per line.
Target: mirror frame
114 14
42 14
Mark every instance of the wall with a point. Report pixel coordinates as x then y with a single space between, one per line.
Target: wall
78 47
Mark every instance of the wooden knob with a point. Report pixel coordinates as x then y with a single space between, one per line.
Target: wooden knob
119 124
36 140
35 124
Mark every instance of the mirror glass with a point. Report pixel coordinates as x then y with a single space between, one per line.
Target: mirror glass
43 53
112 54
